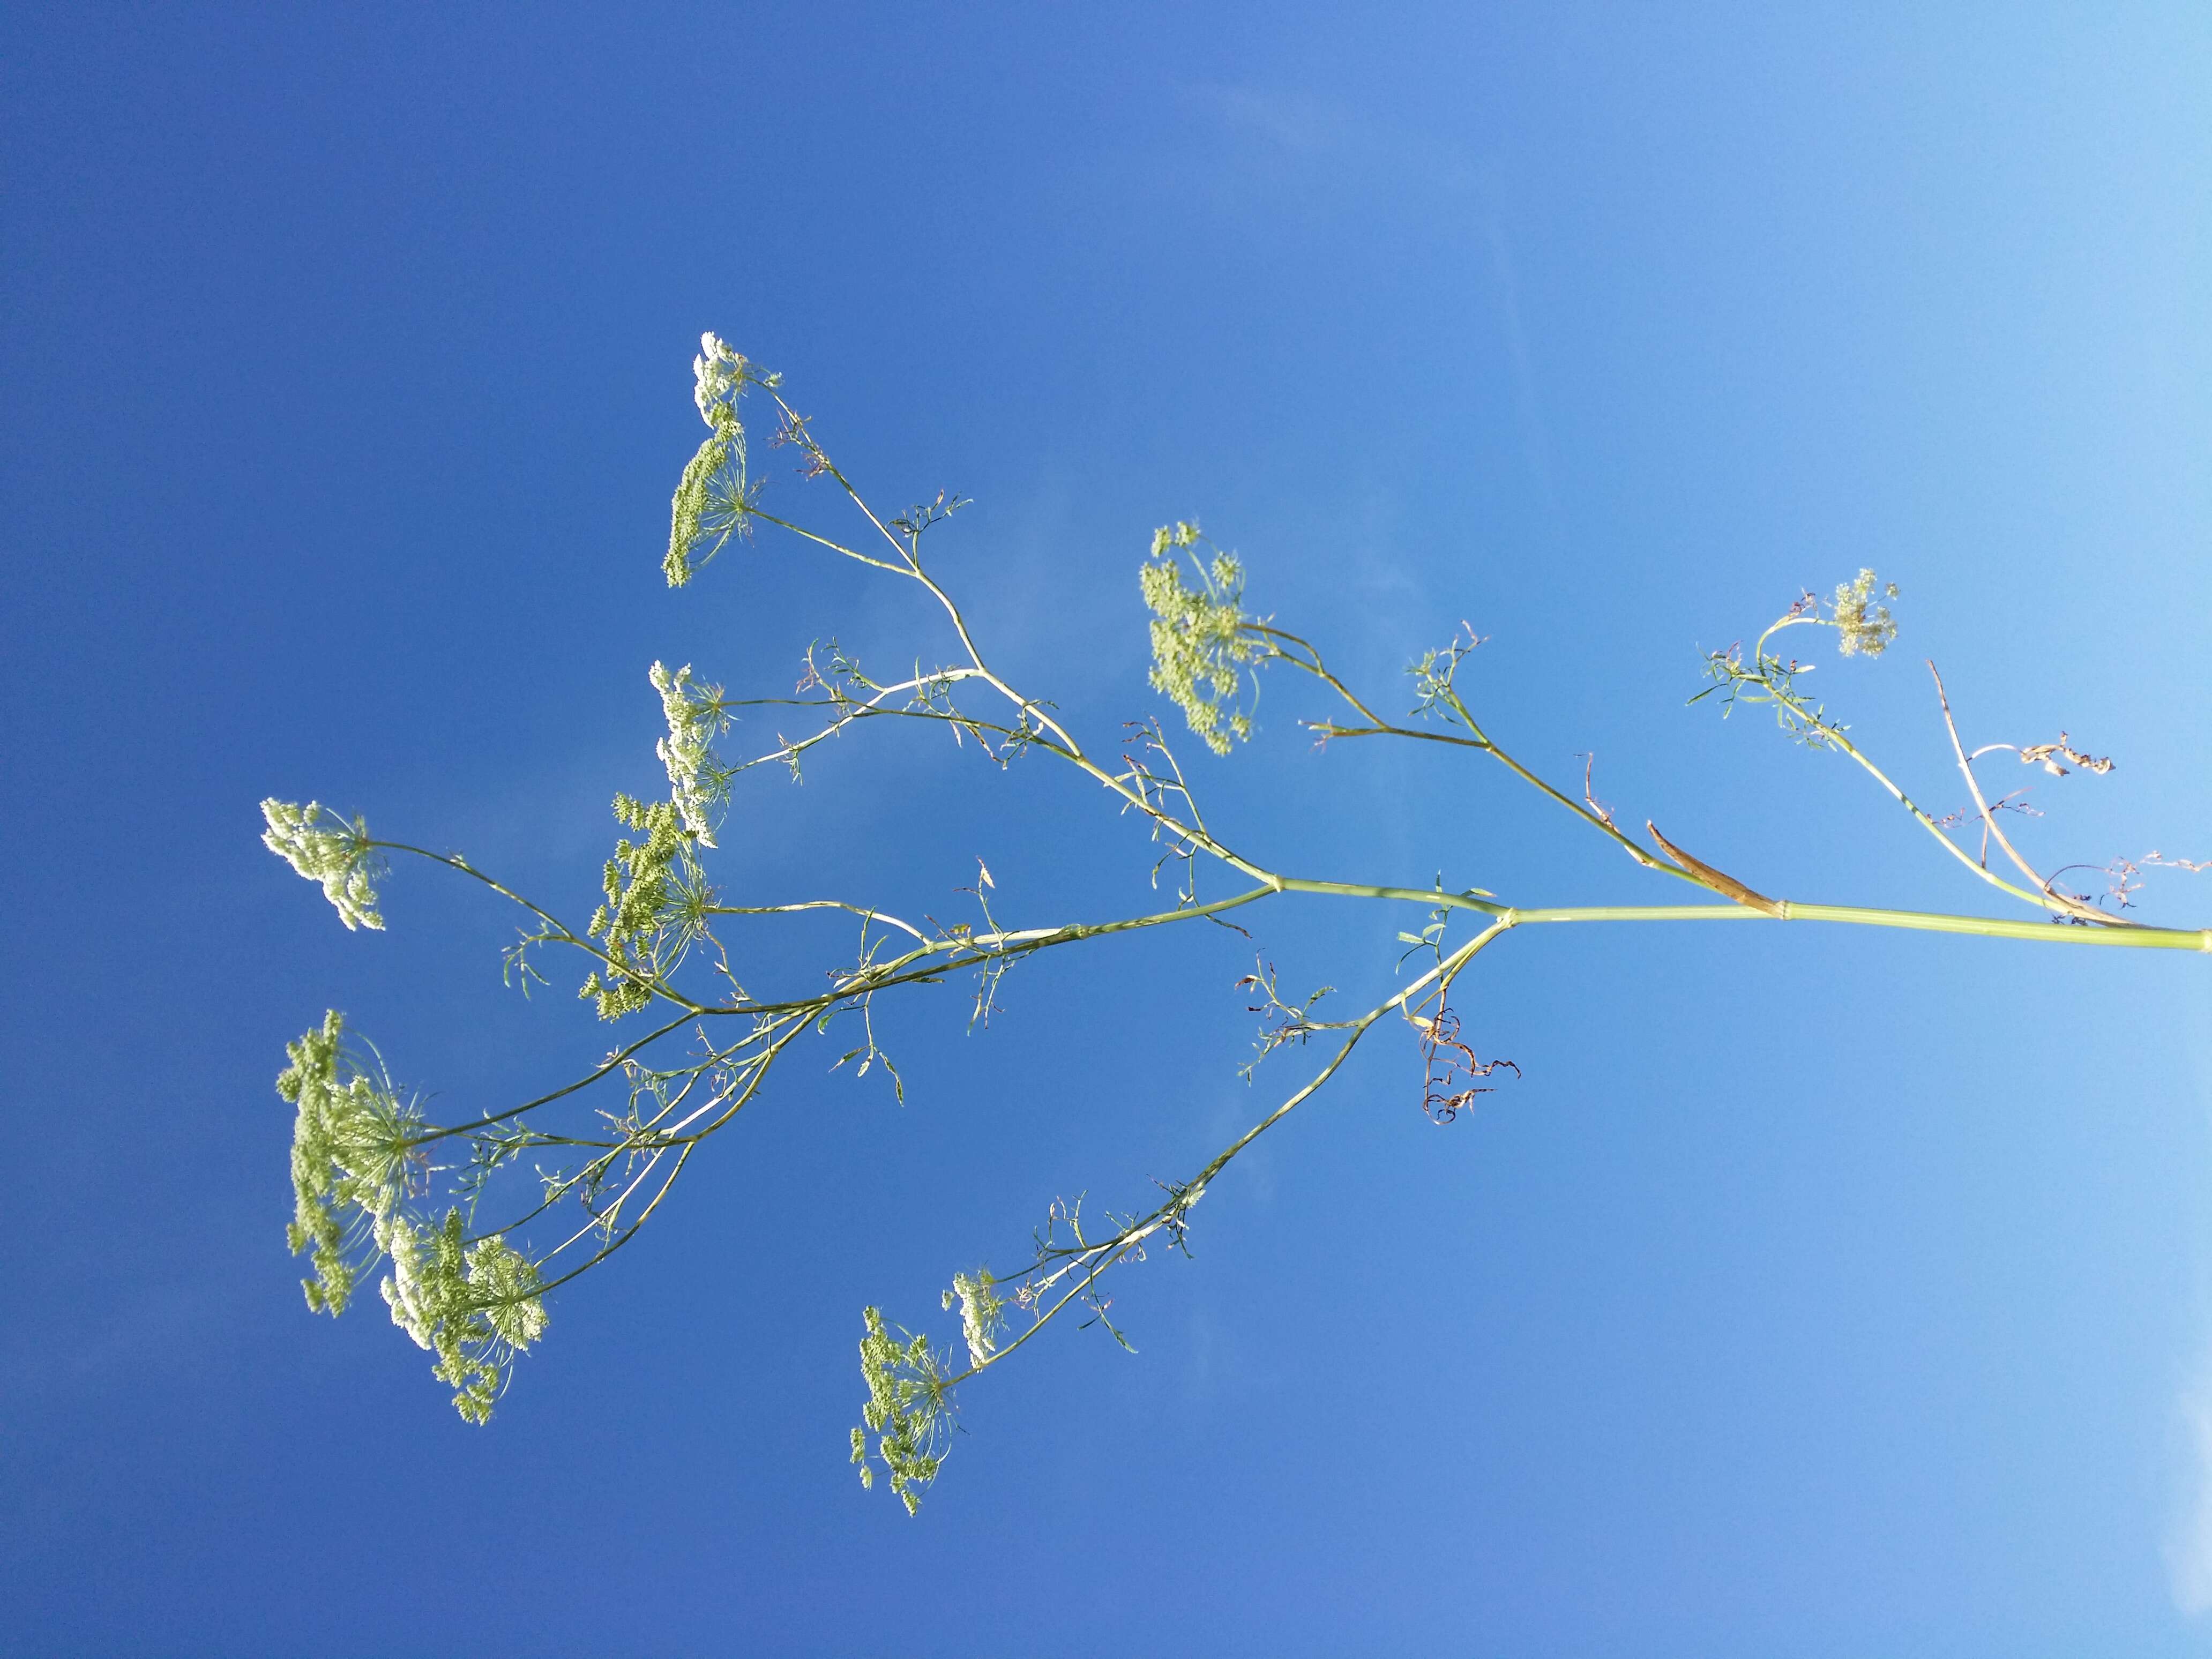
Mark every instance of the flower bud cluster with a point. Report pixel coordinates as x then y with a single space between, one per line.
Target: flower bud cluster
642 881
907 1410
713 500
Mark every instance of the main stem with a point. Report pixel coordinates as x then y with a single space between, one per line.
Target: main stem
1926 921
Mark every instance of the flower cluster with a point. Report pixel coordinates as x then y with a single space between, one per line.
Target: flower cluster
1866 627
719 374
696 774
323 846
713 500
474 1303
1202 640
355 1146
647 884
352 1143
982 1313
908 1410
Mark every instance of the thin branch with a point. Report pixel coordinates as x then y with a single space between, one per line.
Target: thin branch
2064 903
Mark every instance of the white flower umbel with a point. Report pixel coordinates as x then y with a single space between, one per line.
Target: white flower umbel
1866 627
323 846
473 1303
718 373
1202 641
351 1144
982 1313
697 776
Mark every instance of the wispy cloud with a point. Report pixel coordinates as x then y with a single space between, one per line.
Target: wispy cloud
1310 134
1359 161
2189 1545
1301 124
2189 1549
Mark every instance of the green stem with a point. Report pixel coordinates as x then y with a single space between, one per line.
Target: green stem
2153 939
1410 895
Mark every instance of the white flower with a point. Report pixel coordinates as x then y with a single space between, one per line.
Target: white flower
1202 640
342 858
719 373
695 776
982 1313
475 1304
1866 627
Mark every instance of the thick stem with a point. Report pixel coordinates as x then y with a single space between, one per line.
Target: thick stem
2049 933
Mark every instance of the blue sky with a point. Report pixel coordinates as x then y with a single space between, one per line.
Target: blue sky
1812 1291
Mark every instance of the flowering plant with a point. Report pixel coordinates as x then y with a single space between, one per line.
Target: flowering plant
471 1246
